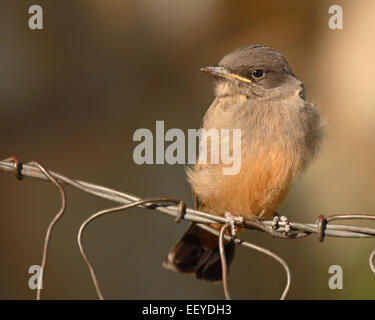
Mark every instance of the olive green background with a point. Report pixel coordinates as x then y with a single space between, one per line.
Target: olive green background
72 95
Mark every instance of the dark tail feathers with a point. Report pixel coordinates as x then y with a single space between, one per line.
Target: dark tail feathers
198 252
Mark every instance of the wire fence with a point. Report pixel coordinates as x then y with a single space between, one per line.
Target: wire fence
178 210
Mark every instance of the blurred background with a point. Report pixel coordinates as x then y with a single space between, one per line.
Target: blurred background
72 95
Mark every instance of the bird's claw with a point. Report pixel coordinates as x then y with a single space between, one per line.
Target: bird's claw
232 221
285 223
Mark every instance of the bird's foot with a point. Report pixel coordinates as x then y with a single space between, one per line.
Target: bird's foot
284 223
232 221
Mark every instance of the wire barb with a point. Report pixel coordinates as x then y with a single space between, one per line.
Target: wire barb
181 211
17 166
321 226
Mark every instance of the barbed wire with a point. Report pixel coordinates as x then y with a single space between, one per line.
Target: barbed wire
177 209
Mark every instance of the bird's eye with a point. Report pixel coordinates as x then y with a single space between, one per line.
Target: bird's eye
257 73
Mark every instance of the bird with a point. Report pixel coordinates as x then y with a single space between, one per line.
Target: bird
281 134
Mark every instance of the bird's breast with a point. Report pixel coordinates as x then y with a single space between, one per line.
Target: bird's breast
257 190
270 160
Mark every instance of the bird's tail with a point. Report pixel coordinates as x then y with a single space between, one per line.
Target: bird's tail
198 252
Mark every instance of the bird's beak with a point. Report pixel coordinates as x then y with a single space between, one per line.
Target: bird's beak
224 73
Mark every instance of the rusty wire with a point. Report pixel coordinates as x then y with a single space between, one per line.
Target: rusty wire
179 211
17 168
106 211
224 266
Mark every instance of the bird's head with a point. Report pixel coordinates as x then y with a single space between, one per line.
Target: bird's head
254 70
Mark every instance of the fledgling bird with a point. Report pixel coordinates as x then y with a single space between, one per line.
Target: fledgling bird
281 133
